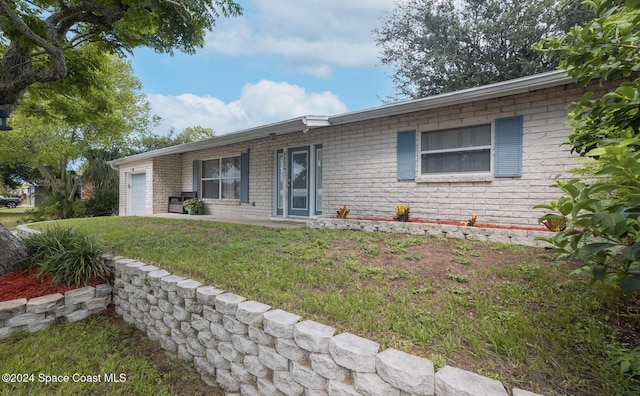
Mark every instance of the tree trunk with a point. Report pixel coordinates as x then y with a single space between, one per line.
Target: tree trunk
12 251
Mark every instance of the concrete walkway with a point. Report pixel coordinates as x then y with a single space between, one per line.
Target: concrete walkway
251 220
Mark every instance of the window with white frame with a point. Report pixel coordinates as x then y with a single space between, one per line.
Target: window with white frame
221 178
456 150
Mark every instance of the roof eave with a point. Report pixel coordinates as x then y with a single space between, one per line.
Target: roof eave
491 91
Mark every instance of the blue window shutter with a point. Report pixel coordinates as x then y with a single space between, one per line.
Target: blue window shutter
508 147
244 177
407 155
196 167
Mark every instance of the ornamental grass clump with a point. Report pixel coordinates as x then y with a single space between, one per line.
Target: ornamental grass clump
69 255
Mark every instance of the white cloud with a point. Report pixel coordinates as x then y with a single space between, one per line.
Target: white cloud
312 36
259 104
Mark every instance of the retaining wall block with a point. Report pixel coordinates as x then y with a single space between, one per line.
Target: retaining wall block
324 365
289 349
283 381
252 364
260 337
104 290
313 336
12 308
233 325
206 339
226 381
353 352
337 388
144 271
227 303
306 377
187 288
195 348
229 352
199 323
406 372
77 315
266 388
251 312
25 319
170 283
207 294
371 384
45 303
219 362
244 345
270 358
219 332
203 366
154 277
452 381
80 295
279 323
210 314
249 390
239 372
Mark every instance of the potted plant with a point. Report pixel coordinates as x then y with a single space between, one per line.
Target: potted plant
193 206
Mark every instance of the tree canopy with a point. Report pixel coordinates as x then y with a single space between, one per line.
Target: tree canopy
437 46
39 35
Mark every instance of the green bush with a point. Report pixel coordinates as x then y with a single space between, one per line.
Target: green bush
69 255
103 203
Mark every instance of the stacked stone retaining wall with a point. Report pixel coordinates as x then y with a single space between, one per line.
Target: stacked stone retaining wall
250 348
510 236
41 312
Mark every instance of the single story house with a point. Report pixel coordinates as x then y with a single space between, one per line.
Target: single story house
492 150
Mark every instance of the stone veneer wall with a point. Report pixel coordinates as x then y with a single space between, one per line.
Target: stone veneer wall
248 348
41 312
496 235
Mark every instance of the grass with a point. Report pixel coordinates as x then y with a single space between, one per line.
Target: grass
10 217
90 350
511 313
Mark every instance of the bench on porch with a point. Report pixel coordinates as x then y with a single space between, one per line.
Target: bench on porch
175 203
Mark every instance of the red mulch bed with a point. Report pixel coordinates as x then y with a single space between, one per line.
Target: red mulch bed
27 284
458 223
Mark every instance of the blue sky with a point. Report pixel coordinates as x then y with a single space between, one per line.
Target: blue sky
280 60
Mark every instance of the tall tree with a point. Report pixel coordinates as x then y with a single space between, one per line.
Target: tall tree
37 35
97 107
437 46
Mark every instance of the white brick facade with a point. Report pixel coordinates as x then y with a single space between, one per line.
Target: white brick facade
360 165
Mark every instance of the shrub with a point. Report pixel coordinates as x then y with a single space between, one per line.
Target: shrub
343 212
471 222
70 256
104 202
402 212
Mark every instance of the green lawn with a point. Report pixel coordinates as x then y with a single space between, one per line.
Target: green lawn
72 358
510 313
10 217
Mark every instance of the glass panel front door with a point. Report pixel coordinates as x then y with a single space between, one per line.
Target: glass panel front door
299 181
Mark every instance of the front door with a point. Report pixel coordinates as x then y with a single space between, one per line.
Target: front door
138 194
299 181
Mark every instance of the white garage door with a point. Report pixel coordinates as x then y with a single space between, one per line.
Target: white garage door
138 194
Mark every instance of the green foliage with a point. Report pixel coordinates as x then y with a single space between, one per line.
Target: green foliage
343 212
402 213
104 202
194 204
603 215
70 256
446 45
602 211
